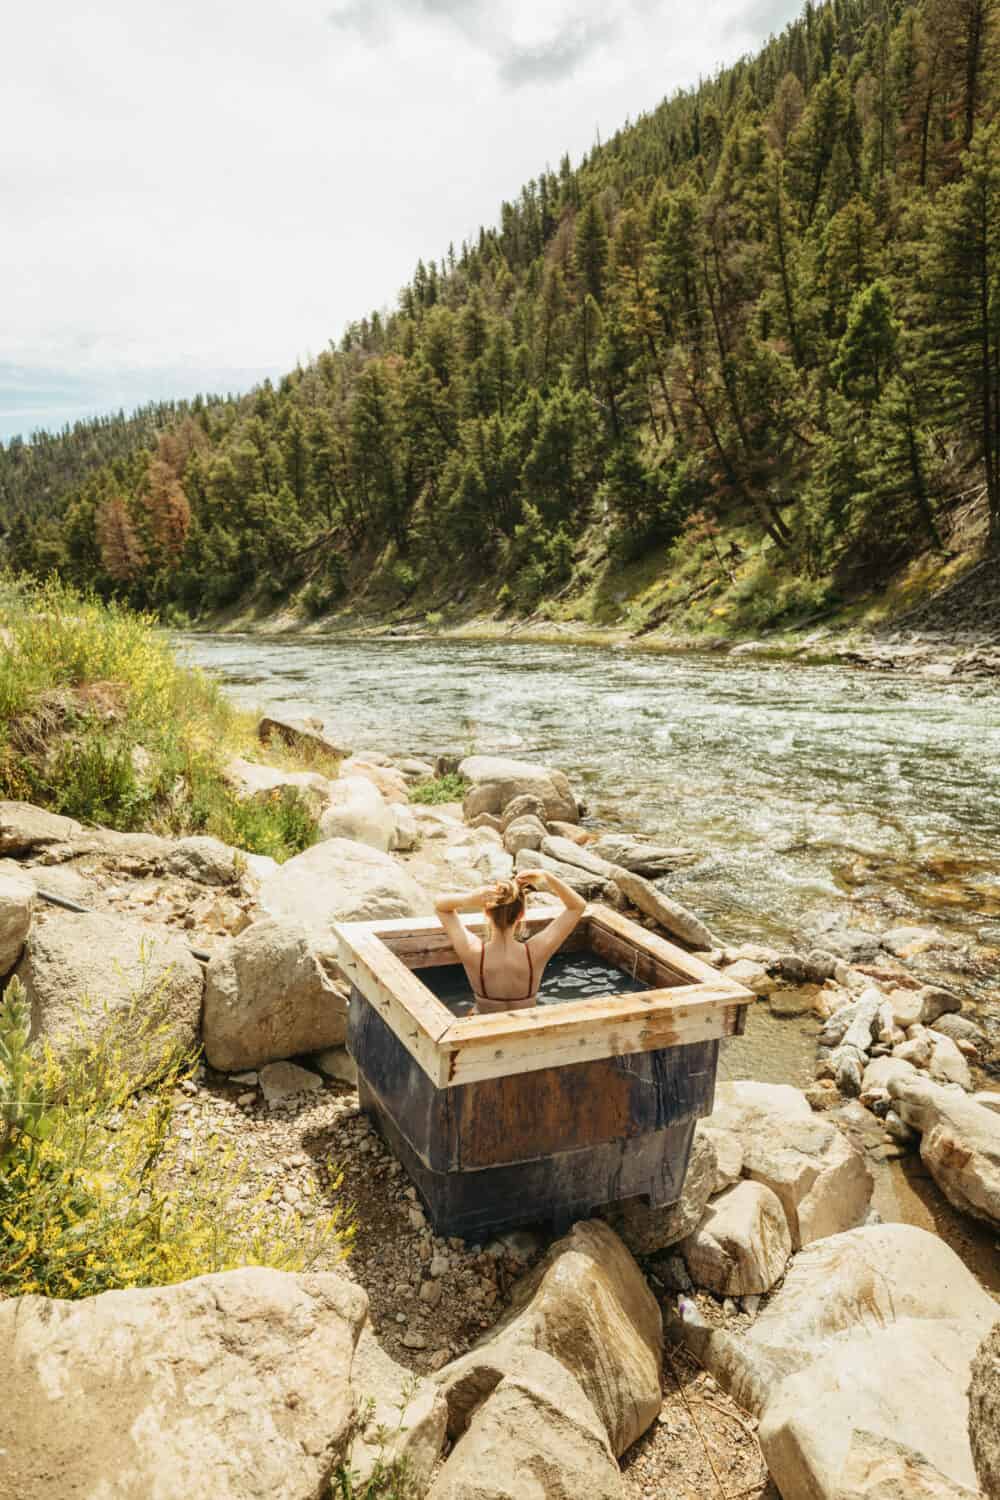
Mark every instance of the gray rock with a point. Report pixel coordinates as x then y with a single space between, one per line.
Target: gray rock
496 781
303 734
651 860
569 853
535 1434
338 1064
984 1414
487 820
358 811
797 1002
90 974
586 1305
17 898
816 967
959 1028
280 1081
572 875
671 916
868 1343
649 1230
340 880
742 1244
960 1143
25 829
848 1064
233 1385
205 860
525 806
526 832
268 997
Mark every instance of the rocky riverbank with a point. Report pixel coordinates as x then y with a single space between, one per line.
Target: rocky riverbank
488 1361
952 634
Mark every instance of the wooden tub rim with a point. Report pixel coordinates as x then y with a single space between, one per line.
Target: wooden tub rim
457 1050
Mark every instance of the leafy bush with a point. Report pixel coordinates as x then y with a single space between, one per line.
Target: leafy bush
95 1189
449 788
98 720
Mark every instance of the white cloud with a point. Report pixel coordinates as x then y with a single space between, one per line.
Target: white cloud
207 190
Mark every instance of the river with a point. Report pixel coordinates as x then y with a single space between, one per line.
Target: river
815 798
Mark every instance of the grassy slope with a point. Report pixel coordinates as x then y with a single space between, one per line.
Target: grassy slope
100 722
680 593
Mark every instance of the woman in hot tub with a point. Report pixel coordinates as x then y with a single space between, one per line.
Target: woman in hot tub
505 969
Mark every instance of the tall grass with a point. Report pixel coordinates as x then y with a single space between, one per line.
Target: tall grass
99 720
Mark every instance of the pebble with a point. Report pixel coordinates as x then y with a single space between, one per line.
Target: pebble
416 1218
431 1292
413 1340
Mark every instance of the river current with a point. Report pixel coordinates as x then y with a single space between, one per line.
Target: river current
813 798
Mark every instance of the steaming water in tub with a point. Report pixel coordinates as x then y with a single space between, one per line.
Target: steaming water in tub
568 976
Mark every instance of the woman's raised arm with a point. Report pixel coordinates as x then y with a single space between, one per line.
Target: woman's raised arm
552 937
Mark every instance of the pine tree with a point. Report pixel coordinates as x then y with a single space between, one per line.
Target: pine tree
591 250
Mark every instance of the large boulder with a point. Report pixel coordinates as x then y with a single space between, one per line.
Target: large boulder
984 1413
357 810
526 832
588 1306
820 1177
742 1245
859 1364
17 897
671 916
571 875
267 996
87 974
959 1143
26 829
233 1385
404 1417
567 852
390 782
651 860
496 781
535 1435
302 734
205 860
648 1230
340 880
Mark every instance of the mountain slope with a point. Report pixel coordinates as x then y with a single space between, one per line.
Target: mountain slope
749 349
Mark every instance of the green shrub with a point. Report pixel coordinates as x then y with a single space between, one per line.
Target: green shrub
99 721
434 619
96 1192
450 788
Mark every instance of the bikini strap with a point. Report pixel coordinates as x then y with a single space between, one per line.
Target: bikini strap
482 961
531 971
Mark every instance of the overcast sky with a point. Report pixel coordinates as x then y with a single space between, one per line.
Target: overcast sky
198 194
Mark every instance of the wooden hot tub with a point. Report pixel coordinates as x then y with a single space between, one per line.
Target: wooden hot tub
539 1114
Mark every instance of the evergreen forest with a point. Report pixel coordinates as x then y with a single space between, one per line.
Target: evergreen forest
765 315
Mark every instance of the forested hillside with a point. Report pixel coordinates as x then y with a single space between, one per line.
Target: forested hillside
765 319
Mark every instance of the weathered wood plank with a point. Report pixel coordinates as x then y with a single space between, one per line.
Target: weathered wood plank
416 1016
642 966
553 1035
675 958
